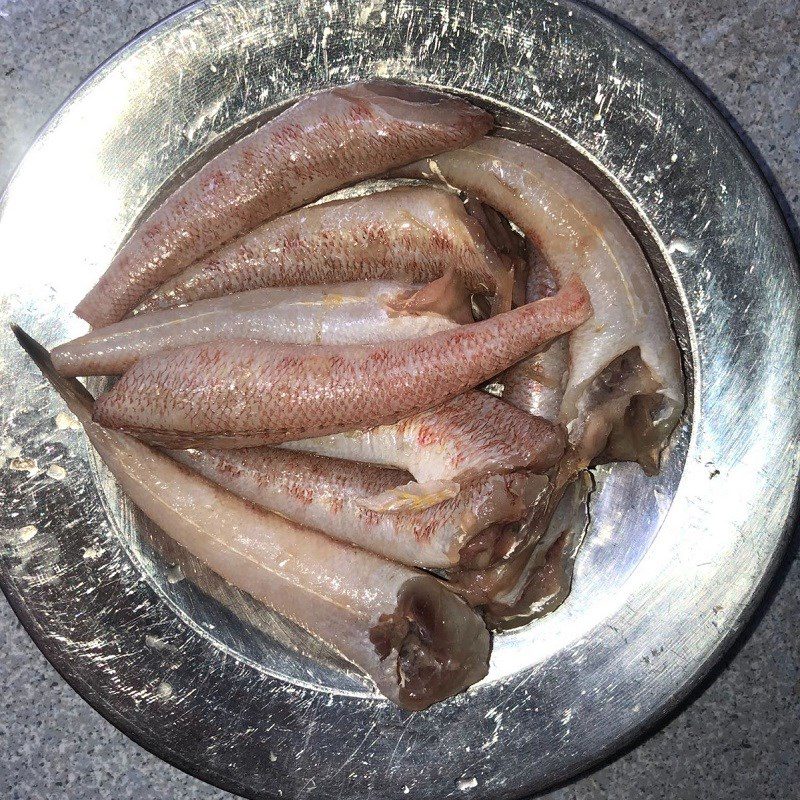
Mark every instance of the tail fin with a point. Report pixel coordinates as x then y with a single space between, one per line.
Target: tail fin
74 393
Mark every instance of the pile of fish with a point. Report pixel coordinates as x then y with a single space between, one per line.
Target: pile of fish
375 414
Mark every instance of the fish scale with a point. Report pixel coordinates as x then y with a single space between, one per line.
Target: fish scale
411 233
293 392
269 173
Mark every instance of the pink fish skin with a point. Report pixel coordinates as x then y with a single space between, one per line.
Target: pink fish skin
472 435
343 313
325 141
417 641
624 391
411 233
325 493
242 393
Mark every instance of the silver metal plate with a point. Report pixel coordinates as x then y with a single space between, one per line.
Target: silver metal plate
671 566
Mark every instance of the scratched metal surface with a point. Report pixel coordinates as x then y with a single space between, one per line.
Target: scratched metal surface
671 565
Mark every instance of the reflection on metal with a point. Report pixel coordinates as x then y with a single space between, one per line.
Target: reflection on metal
671 565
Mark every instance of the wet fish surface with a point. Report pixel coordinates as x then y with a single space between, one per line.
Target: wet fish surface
325 141
243 393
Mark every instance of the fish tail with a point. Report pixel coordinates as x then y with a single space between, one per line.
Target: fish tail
74 393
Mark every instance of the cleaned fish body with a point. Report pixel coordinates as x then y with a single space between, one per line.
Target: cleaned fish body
363 312
242 393
323 142
326 494
413 233
472 435
579 233
414 638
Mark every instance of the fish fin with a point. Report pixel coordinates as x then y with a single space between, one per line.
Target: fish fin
446 296
74 393
410 497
